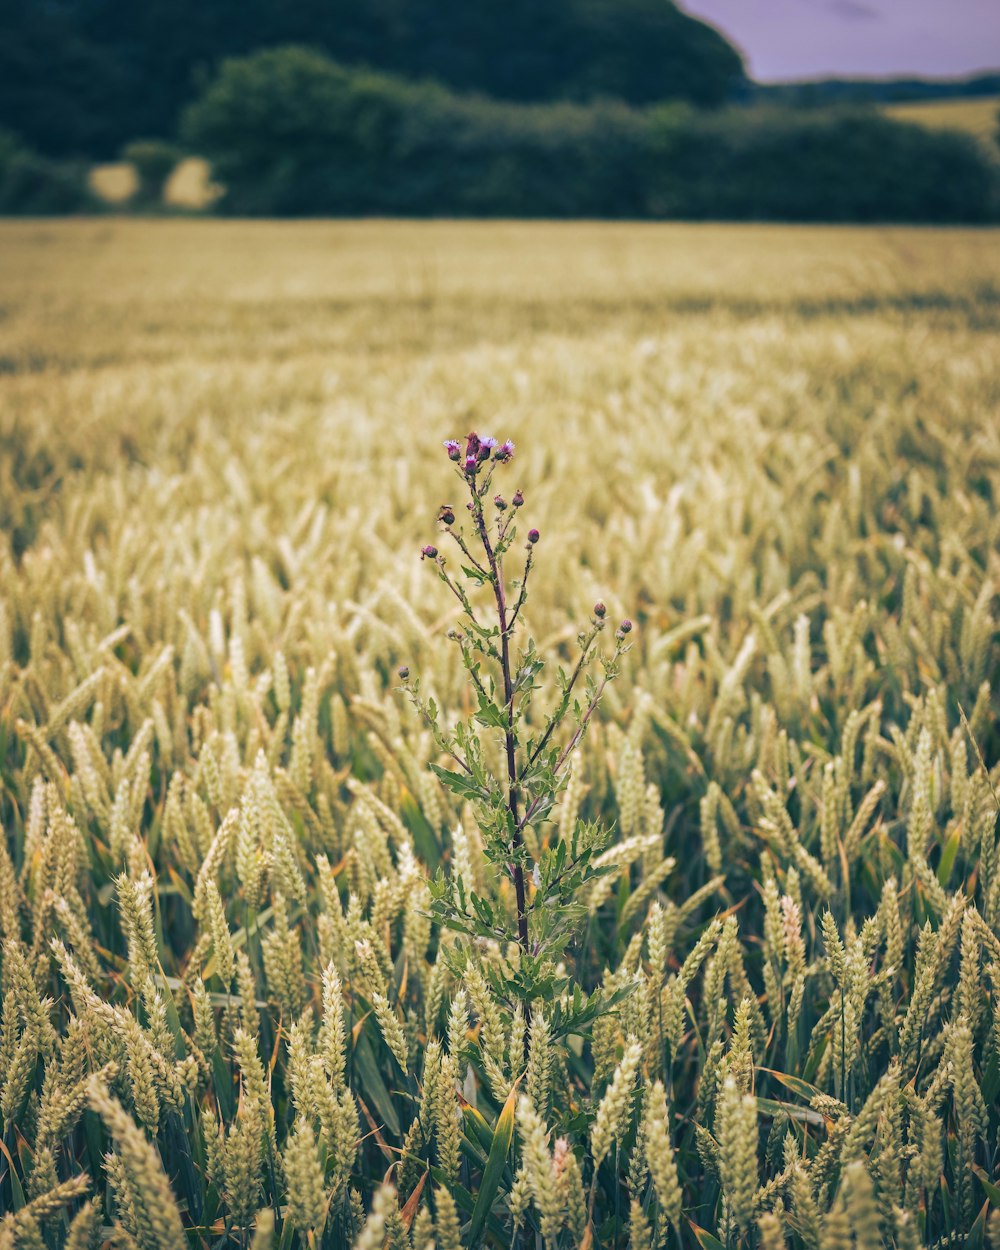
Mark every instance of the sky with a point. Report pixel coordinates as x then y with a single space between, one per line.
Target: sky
816 38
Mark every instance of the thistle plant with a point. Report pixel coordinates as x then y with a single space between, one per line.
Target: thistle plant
550 875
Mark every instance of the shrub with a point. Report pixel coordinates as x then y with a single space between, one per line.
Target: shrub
154 162
836 165
291 133
33 184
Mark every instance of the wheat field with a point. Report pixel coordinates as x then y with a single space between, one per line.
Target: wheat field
233 1011
979 117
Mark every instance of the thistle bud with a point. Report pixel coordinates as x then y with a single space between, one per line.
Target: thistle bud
404 672
624 628
471 463
428 552
599 610
533 536
500 502
518 499
453 449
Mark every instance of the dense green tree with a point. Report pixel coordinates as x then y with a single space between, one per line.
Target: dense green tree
291 132
88 75
34 185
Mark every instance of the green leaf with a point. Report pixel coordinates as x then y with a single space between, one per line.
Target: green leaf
374 1087
705 1238
222 1085
287 1235
977 1232
476 1127
490 715
795 1084
173 1019
460 783
991 1188
503 1135
948 856
15 1181
425 840
463 1199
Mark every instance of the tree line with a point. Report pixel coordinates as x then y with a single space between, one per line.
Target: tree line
82 77
599 108
292 133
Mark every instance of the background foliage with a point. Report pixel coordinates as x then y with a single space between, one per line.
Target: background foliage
577 108
86 76
218 816
291 133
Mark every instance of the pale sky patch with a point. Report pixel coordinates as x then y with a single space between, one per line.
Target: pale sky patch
819 38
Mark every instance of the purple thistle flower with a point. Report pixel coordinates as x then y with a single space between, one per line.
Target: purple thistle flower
504 452
453 449
428 552
471 464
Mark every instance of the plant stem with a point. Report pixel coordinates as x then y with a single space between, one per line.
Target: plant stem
510 737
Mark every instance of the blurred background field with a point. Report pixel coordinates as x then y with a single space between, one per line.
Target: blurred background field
184 293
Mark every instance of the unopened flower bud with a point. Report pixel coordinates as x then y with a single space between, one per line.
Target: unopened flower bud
533 536
599 610
428 552
624 628
500 502
453 449
518 499
470 466
446 516
404 672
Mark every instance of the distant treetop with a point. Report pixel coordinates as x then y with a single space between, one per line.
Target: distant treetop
84 76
